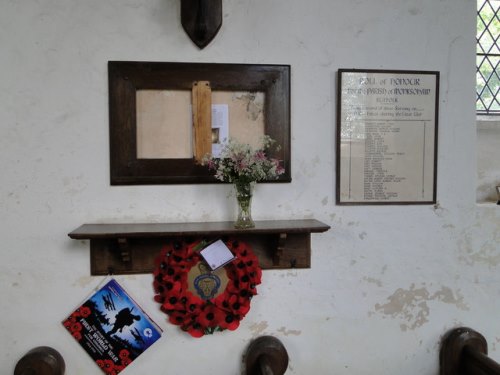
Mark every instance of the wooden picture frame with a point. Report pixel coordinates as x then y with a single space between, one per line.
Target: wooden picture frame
127 79
387 137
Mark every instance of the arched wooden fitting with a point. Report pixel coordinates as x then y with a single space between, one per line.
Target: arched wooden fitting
266 355
42 360
201 19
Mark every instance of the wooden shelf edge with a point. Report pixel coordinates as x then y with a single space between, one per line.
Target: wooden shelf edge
129 230
132 248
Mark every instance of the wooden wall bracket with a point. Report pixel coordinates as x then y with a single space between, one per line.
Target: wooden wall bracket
124 250
132 248
280 249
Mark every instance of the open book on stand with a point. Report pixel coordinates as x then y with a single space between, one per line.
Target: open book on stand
112 328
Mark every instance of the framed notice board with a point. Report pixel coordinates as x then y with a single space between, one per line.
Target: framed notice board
387 130
151 111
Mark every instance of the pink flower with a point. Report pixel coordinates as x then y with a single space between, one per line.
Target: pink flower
241 165
239 161
260 155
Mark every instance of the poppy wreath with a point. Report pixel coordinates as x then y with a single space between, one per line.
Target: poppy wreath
193 314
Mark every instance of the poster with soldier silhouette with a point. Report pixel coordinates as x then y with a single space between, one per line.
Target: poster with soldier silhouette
112 328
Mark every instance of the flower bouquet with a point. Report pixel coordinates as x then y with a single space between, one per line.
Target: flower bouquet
243 166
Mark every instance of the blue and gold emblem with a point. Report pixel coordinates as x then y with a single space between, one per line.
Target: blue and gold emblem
207 284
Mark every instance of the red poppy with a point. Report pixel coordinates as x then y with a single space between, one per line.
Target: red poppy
67 323
159 298
256 275
124 353
165 252
76 327
210 316
230 322
85 311
126 362
119 368
173 274
234 304
244 290
192 303
239 306
173 300
195 330
241 269
77 335
247 257
179 318
108 366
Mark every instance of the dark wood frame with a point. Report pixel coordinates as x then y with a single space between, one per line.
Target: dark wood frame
125 78
338 132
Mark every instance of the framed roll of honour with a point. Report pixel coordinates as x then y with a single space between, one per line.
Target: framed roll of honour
387 122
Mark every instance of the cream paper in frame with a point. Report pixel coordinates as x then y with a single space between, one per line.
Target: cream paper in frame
164 121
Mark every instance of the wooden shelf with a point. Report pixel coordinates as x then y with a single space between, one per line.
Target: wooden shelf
132 248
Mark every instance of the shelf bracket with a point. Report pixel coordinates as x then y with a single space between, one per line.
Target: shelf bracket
280 249
123 248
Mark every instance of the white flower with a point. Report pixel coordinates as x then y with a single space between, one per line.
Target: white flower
240 162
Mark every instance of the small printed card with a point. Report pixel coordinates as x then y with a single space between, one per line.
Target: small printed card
217 255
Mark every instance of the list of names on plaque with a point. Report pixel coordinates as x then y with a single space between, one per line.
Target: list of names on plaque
387 137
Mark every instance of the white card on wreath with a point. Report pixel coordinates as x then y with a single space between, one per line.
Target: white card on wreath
217 255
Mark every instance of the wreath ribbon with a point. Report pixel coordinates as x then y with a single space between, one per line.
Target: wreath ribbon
196 315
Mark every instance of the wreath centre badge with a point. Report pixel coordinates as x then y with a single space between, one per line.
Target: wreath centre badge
206 284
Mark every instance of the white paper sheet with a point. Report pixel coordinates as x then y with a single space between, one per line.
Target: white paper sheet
217 255
220 127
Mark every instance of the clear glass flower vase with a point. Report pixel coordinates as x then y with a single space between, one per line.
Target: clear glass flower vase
244 192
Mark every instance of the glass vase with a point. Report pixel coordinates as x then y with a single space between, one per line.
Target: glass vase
244 192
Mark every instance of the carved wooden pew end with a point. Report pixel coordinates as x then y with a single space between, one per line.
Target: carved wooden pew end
266 355
42 360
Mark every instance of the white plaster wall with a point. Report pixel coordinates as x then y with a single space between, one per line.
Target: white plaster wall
488 159
385 283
